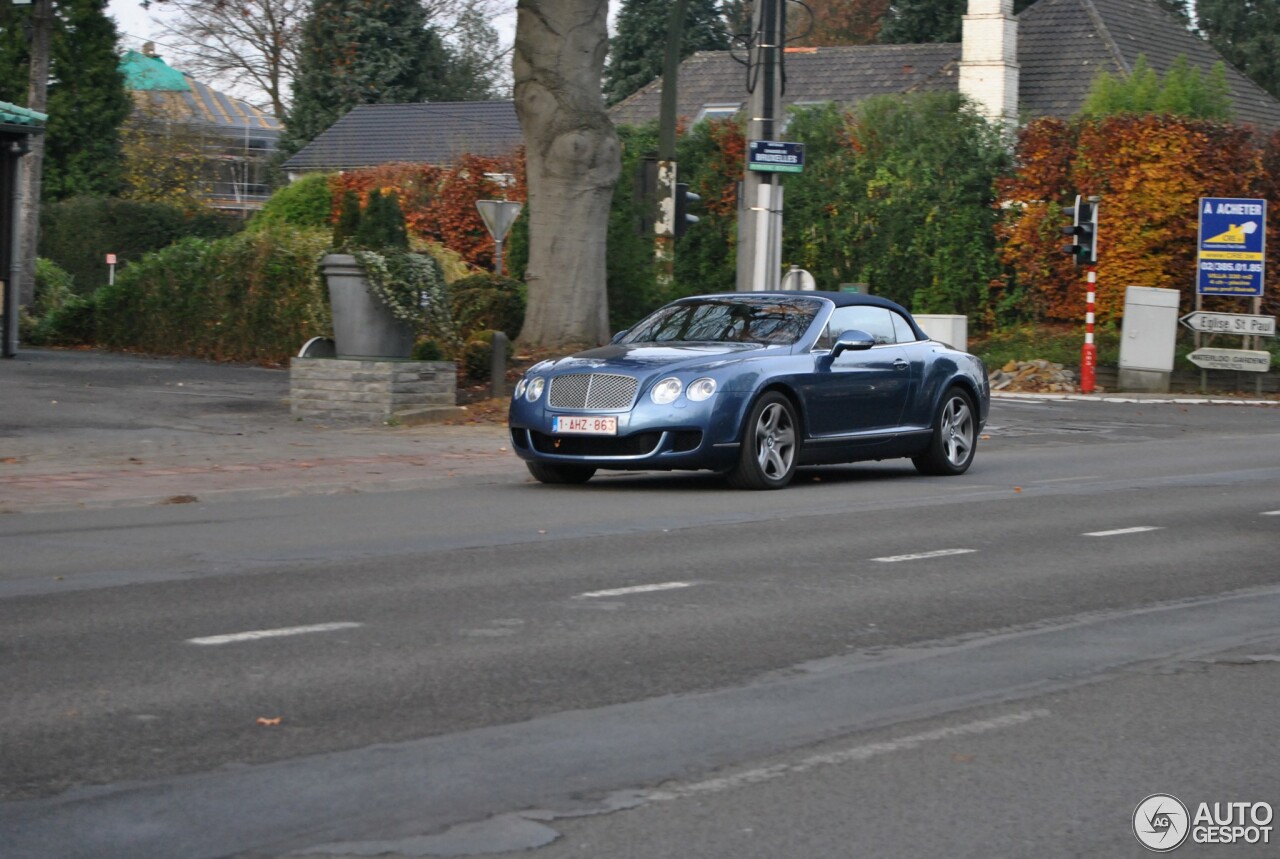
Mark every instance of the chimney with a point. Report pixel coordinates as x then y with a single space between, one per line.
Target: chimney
989 60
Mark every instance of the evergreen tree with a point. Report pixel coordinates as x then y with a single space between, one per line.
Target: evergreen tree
637 51
363 52
911 22
87 96
1247 34
1184 91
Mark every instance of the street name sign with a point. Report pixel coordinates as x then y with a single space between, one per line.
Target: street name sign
773 156
1230 323
1232 247
1231 359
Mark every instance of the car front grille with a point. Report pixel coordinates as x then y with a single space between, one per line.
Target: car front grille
640 444
592 391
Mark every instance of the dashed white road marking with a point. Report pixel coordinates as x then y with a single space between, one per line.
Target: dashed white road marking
638 589
920 556
842 756
1118 531
1272 513
272 633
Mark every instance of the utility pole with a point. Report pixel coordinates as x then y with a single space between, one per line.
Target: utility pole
665 225
760 202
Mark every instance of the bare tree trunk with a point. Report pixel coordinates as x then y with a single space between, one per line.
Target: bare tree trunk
33 162
573 164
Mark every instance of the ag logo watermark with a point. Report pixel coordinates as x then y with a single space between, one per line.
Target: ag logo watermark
1162 823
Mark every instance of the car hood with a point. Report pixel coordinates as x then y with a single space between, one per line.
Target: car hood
640 359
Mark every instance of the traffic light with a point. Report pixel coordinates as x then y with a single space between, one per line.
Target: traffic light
1083 231
683 198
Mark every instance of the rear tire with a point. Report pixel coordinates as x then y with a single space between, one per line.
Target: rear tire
770 445
955 437
560 474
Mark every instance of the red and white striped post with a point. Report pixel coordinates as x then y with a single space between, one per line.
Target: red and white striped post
1089 353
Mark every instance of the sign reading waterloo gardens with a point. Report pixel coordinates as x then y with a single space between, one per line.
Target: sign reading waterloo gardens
1233 235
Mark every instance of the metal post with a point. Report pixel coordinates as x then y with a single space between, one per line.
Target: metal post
1089 353
12 293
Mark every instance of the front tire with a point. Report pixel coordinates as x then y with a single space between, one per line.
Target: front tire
955 437
770 445
560 474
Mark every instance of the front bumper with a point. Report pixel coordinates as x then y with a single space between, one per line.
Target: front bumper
682 435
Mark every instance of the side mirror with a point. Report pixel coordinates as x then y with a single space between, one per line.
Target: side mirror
852 340
617 338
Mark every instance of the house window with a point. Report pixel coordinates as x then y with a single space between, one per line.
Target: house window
718 110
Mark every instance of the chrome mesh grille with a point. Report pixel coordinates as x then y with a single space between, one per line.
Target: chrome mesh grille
592 391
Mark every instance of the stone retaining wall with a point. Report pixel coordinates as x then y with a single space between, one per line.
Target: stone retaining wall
373 390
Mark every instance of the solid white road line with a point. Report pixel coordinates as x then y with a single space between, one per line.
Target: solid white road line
638 589
1118 531
919 556
272 633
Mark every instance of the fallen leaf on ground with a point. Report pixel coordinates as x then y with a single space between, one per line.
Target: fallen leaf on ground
263 720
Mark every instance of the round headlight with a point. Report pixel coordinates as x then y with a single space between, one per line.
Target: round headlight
520 386
701 389
666 391
534 389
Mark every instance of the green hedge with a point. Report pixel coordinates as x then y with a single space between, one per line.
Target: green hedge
253 297
79 232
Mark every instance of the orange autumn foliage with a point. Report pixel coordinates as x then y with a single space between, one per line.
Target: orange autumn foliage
1149 172
439 203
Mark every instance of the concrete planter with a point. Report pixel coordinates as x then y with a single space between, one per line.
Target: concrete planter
363 327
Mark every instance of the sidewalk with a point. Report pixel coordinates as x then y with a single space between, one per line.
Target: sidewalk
82 430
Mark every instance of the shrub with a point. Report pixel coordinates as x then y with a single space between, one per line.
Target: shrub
253 297
308 202
477 356
487 302
54 290
427 350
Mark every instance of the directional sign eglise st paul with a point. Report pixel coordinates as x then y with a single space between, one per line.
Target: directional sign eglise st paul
1230 323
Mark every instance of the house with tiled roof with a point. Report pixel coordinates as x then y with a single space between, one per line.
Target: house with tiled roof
236 138
423 133
1040 62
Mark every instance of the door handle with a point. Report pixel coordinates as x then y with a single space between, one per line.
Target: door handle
900 364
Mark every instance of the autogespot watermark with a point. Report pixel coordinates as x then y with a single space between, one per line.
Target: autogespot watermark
1163 823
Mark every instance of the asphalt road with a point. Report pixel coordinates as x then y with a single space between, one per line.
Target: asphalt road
868 663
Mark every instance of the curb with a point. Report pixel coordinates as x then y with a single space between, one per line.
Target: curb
1153 399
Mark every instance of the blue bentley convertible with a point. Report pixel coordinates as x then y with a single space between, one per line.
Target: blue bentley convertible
754 384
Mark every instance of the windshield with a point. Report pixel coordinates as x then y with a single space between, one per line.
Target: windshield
773 321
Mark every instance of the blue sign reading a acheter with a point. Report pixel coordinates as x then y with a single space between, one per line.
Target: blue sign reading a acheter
772 156
1233 247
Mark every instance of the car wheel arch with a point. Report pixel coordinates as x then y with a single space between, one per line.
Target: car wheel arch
787 391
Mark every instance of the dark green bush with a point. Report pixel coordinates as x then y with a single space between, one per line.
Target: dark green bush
477 356
308 202
255 297
54 290
487 302
427 350
72 324
79 232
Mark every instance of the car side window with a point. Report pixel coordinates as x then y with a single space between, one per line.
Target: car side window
902 329
876 321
